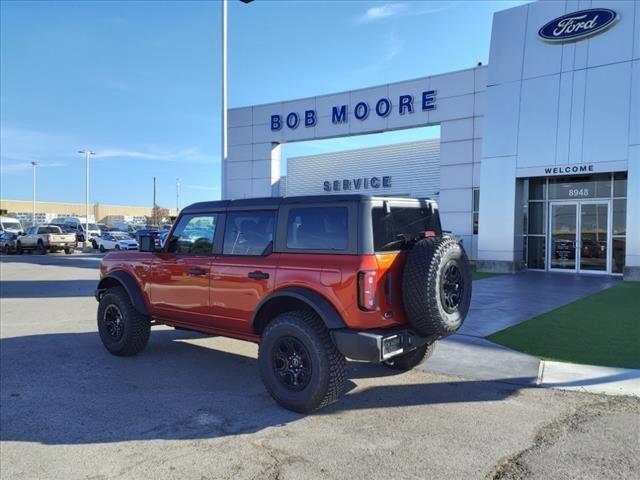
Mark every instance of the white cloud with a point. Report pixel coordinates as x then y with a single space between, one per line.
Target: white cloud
18 167
401 9
383 11
192 155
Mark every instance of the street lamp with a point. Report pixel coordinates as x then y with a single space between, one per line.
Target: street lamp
86 154
223 156
33 202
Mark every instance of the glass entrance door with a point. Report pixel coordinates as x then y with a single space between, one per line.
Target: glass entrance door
594 235
563 222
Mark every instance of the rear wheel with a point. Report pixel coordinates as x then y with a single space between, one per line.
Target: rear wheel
117 247
123 330
299 364
41 249
411 359
68 251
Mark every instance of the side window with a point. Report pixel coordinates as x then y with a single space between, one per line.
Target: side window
318 228
249 233
194 235
32 231
42 230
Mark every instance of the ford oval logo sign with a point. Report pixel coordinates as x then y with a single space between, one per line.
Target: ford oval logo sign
578 25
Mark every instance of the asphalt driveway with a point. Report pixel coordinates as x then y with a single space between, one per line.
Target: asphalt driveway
192 406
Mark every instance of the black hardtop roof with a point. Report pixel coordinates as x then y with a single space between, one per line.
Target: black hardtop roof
271 203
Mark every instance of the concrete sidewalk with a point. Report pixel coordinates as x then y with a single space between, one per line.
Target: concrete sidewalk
506 300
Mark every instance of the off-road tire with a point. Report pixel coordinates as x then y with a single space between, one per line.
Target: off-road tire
411 359
327 379
41 249
68 251
136 326
423 285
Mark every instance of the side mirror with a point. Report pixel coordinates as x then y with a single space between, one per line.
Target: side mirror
147 243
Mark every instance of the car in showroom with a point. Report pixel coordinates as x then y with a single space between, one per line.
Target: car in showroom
116 241
313 280
8 242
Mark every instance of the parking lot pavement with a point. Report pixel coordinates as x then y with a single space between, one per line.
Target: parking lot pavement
192 406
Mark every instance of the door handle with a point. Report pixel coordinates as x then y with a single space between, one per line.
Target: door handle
258 275
196 271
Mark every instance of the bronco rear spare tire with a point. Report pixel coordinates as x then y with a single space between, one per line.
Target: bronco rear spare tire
436 286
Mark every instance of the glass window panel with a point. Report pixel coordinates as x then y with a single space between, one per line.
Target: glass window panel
580 187
475 223
525 219
536 188
537 217
536 252
476 199
620 184
193 235
317 228
617 262
620 217
249 233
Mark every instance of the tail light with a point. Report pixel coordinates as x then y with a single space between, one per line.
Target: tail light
49 237
367 291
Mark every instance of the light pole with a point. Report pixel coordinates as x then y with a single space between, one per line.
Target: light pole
223 154
86 154
177 195
33 201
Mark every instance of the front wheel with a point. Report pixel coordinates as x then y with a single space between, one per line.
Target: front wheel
299 364
102 249
68 251
7 250
411 359
123 330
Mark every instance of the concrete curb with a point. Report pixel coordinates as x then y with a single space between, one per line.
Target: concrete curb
589 378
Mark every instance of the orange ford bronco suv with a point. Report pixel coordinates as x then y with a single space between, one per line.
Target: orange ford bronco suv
311 279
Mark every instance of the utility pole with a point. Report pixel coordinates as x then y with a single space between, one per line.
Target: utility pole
86 154
177 195
154 210
33 202
223 155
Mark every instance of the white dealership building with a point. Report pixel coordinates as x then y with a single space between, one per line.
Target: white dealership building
538 161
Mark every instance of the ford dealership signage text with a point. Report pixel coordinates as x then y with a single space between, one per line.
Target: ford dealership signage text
577 25
361 111
356 184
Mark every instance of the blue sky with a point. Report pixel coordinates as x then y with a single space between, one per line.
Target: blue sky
139 82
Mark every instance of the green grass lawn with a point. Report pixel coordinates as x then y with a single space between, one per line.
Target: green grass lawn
480 275
601 329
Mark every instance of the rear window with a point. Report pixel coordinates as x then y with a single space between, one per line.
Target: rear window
318 228
54 230
389 228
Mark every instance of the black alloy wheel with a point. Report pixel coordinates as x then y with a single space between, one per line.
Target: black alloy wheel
113 321
452 287
291 363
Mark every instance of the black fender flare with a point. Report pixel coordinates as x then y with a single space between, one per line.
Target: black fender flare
129 284
323 308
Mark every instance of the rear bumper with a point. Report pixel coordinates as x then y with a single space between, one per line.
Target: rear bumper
378 345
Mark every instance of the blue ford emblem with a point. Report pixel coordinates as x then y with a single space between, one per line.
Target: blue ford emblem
577 25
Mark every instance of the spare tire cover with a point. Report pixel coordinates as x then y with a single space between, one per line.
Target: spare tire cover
436 286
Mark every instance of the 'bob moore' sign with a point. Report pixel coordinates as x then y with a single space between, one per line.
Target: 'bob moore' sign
361 111
578 25
349 184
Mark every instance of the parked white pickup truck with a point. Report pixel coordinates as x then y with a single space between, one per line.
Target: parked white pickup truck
46 238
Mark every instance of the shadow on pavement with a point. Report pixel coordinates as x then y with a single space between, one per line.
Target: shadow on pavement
66 389
47 288
76 260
